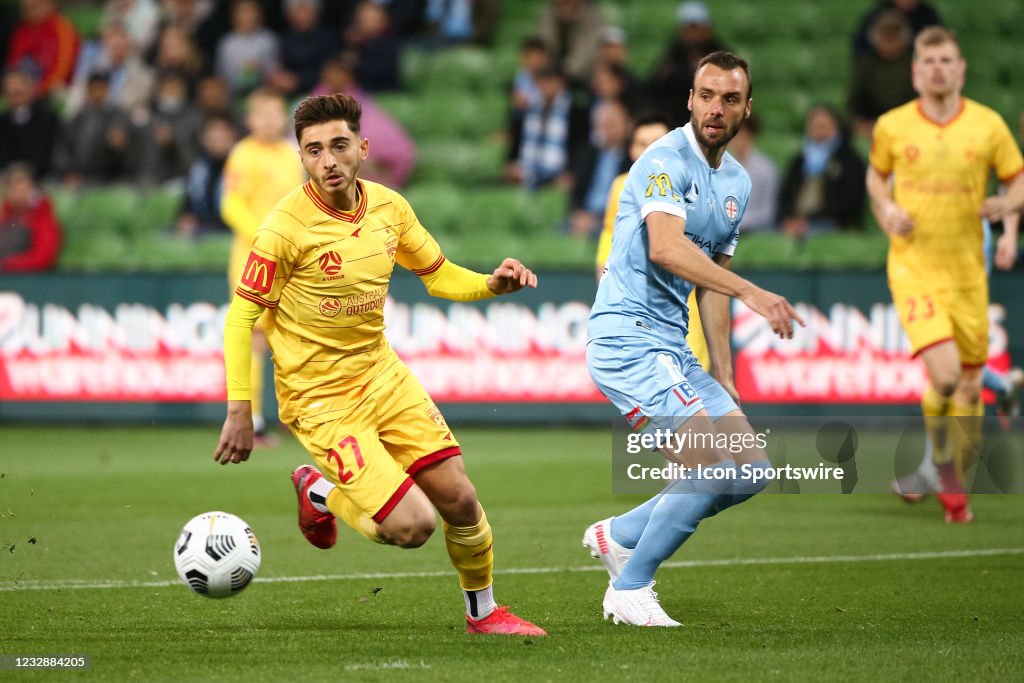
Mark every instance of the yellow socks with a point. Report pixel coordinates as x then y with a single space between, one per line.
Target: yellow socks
936 409
471 550
965 434
342 507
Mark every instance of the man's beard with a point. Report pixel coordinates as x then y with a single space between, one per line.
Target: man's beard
729 134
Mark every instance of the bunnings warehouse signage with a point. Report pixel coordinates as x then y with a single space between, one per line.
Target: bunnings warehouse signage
158 338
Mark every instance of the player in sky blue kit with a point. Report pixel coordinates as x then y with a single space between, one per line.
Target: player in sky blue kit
676 229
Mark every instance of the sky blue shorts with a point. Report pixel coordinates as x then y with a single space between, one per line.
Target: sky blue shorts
654 383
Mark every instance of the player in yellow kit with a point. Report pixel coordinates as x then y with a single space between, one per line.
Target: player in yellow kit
931 160
260 170
319 267
646 129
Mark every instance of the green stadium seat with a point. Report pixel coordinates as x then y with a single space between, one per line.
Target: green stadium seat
158 209
109 209
765 250
846 251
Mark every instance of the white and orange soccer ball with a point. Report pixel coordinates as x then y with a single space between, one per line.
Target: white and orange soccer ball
217 554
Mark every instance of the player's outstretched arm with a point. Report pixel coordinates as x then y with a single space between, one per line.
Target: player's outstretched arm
236 437
511 276
670 248
892 217
450 281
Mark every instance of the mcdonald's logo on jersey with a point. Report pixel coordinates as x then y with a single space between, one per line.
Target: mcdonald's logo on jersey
258 273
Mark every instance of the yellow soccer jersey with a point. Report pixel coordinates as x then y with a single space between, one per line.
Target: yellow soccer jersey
604 242
323 276
256 176
941 176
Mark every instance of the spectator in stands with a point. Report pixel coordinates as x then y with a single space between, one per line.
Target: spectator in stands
824 185
44 44
249 52
392 152
29 126
918 14
597 166
610 82
554 128
533 56
177 52
200 209
213 99
131 81
29 233
762 207
195 17
463 21
166 142
881 77
615 51
376 47
305 47
672 76
572 30
93 144
140 18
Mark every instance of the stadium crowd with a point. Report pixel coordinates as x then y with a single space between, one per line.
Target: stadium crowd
158 96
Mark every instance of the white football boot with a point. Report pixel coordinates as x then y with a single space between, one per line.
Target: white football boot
638 607
598 539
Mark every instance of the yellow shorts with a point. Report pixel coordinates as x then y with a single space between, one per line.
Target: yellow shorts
931 316
372 453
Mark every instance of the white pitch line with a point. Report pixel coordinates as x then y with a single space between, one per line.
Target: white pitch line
683 564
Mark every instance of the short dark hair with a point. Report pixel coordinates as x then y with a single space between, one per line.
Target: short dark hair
326 108
651 117
533 43
728 61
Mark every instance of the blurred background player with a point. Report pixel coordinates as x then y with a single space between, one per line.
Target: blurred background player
669 240
940 150
648 127
262 168
1006 386
320 266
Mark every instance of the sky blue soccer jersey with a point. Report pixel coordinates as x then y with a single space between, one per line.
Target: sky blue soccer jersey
672 176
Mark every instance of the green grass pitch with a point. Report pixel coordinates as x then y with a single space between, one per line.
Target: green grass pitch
783 588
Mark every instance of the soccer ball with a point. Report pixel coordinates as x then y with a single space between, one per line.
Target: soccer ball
217 554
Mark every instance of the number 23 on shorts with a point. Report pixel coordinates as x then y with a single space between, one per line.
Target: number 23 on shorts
920 308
